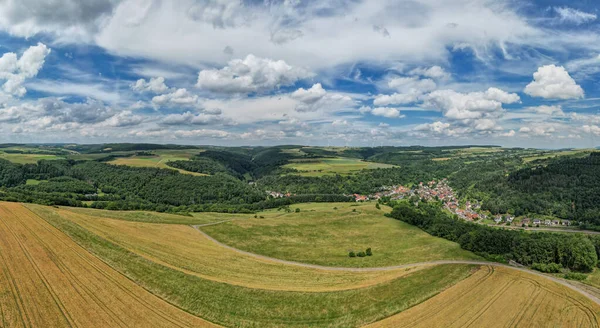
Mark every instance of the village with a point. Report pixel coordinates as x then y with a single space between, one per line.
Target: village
471 211
439 190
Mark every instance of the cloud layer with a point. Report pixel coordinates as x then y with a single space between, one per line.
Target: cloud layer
264 72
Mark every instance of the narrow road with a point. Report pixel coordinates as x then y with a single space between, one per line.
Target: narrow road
395 267
587 232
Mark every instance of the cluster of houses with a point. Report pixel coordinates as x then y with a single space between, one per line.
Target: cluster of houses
506 218
276 194
441 191
395 192
539 222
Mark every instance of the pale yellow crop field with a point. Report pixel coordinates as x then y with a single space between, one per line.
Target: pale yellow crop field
160 160
184 248
47 280
500 297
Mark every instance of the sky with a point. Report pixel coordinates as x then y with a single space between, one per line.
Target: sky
330 72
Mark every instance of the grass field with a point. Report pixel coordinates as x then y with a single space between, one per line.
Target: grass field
33 182
179 246
160 160
27 158
323 235
593 280
325 166
500 297
46 280
232 305
574 152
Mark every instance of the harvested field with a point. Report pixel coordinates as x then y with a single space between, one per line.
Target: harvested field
184 248
47 280
160 159
155 217
501 297
238 306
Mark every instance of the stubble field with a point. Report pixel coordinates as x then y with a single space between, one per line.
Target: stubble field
49 281
76 267
500 297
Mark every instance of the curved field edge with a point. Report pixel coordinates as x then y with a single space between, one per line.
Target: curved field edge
156 217
323 234
179 246
500 297
244 307
47 280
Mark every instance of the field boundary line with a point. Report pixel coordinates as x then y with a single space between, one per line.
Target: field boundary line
402 266
212 223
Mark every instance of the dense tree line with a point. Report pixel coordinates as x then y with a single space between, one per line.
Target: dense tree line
101 185
362 182
201 165
62 185
568 188
167 187
573 251
10 174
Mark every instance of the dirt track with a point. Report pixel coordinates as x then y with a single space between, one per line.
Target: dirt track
395 267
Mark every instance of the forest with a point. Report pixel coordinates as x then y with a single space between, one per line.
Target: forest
575 252
566 188
238 178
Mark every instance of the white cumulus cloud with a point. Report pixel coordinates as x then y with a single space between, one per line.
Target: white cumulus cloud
316 98
252 74
434 72
14 71
179 97
550 110
155 85
388 112
473 105
553 82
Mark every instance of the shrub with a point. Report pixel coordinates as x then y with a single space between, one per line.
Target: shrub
262 217
353 210
361 254
335 208
352 254
297 210
369 252
575 276
548 268
377 206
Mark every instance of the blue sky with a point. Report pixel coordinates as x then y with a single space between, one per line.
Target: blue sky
337 72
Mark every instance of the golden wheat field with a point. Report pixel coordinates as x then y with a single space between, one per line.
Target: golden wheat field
47 280
500 297
184 248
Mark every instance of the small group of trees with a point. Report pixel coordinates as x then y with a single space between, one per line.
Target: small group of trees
367 252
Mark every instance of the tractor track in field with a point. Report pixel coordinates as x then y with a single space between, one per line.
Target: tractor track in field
396 267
